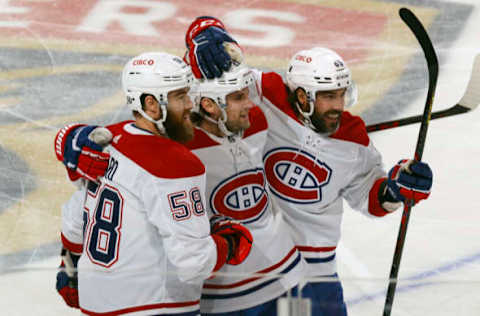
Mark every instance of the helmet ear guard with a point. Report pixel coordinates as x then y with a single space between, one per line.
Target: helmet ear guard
319 69
156 74
351 95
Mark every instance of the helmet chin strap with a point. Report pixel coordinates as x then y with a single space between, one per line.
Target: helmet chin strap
158 123
307 121
221 123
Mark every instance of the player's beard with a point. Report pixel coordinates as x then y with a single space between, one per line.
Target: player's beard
324 125
179 127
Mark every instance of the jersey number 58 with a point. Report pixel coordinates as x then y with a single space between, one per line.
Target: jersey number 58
103 237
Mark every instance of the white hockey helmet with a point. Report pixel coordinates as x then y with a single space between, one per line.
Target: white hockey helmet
155 74
217 89
319 69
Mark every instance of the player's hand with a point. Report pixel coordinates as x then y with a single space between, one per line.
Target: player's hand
81 151
67 281
207 53
409 180
67 287
238 237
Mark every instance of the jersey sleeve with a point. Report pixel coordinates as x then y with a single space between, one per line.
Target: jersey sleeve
257 75
72 222
176 208
272 93
362 193
259 97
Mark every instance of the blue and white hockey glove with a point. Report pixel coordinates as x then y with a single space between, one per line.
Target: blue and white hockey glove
206 53
80 147
408 180
67 280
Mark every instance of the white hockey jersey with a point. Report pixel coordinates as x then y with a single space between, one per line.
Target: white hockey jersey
310 174
236 187
146 236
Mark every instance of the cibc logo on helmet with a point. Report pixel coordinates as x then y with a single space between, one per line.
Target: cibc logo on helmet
295 175
306 59
143 62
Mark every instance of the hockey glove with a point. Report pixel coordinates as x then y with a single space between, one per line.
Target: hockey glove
80 149
409 180
67 281
238 238
206 52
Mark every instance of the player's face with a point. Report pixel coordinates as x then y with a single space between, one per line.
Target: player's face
238 106
178 125
329 106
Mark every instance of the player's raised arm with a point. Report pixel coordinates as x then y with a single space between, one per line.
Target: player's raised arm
210 48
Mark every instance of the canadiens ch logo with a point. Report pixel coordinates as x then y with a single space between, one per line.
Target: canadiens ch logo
295 175
242 196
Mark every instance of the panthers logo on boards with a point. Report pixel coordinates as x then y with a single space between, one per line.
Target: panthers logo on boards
295 175
242 196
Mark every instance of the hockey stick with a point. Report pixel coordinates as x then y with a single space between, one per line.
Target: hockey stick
469 101
432 63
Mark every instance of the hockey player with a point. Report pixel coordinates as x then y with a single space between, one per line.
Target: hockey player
142 229
317 155
229 139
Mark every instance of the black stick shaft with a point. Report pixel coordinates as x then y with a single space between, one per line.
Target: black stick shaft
432 63
454 110
402 233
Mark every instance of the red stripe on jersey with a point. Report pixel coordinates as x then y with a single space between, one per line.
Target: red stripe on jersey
243 282
141 308
275 91
316 249
352 129
258 122
200 140
160 156
374 206
71 246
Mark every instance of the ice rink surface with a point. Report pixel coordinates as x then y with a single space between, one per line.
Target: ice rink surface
60 62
